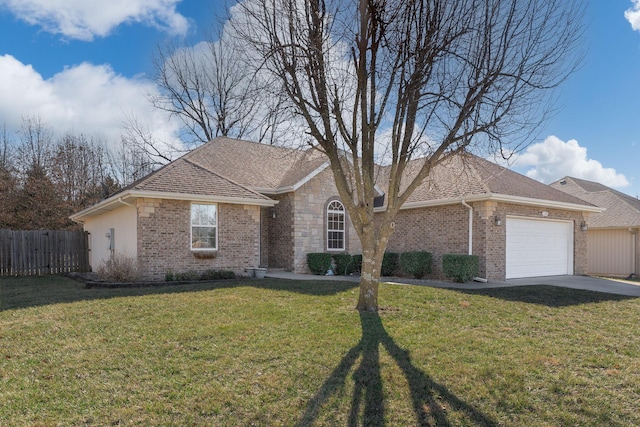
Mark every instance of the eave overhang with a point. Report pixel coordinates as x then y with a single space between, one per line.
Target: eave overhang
127 197
502 198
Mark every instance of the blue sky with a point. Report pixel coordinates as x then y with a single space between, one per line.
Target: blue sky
85 66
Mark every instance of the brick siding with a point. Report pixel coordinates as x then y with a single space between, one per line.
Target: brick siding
445 229
164 233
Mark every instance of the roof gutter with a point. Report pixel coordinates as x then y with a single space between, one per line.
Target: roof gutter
109 203
500 198
470 225
125 203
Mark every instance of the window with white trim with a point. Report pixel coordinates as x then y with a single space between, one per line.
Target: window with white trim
335 226
204 227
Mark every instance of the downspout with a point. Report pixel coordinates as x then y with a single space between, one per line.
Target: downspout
470 226
466 205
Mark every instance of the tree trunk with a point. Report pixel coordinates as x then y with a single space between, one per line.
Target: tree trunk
369 279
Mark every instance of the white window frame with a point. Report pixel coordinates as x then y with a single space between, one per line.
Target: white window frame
215 226
333 211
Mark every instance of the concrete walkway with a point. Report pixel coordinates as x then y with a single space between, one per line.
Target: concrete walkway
611 286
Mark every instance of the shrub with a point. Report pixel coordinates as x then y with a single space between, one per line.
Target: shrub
344 264
319 262
416 263
390 263
169 276
119 268
217 275
187 276
461 268
356 261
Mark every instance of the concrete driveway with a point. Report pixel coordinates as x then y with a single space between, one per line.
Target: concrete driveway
610 286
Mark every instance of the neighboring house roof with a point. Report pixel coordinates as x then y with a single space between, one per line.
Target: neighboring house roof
622 210
471 178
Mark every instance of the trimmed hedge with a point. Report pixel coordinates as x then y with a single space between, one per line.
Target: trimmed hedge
319 262
344 264
193 276
217 275
461 268
357 263
416 263
390 264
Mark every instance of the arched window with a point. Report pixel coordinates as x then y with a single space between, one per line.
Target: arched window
335 226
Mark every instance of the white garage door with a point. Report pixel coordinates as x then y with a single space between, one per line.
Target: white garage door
538 247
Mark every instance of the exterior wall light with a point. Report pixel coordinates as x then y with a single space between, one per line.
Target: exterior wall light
497 220
583 226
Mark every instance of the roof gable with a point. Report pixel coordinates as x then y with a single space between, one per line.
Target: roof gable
265 168
185 177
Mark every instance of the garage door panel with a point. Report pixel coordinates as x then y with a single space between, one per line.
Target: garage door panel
538 247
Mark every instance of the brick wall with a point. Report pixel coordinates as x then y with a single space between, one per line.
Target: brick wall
445 229
164 233
280 229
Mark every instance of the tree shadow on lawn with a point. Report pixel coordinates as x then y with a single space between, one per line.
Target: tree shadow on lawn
551 296
430 401
24 292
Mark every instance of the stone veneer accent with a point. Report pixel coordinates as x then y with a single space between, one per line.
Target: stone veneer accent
299 226
444 229
164 233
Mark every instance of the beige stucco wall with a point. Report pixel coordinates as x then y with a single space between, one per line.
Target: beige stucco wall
123 221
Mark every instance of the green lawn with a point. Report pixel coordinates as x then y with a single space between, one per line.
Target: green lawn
278 353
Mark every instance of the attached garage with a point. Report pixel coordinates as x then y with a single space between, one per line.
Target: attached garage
538 247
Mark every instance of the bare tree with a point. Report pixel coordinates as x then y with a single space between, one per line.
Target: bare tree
438 76
126 164
8 181
34 146
208 87
78 169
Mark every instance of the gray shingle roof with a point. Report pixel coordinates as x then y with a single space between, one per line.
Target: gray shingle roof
185 177
468 175
622 210
257 166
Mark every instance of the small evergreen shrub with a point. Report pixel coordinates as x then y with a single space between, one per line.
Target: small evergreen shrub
319 262
169 276
416 263
217 275
390 264
344 264
187 276
461 268
357 263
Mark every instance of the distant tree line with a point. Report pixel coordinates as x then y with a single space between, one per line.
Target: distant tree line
45 178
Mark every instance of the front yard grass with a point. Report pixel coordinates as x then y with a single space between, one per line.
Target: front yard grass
280 353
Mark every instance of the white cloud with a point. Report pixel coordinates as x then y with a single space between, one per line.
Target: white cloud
84 20
553 159
633 15
86 98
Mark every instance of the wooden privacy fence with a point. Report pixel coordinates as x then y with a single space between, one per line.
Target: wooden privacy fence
37 252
